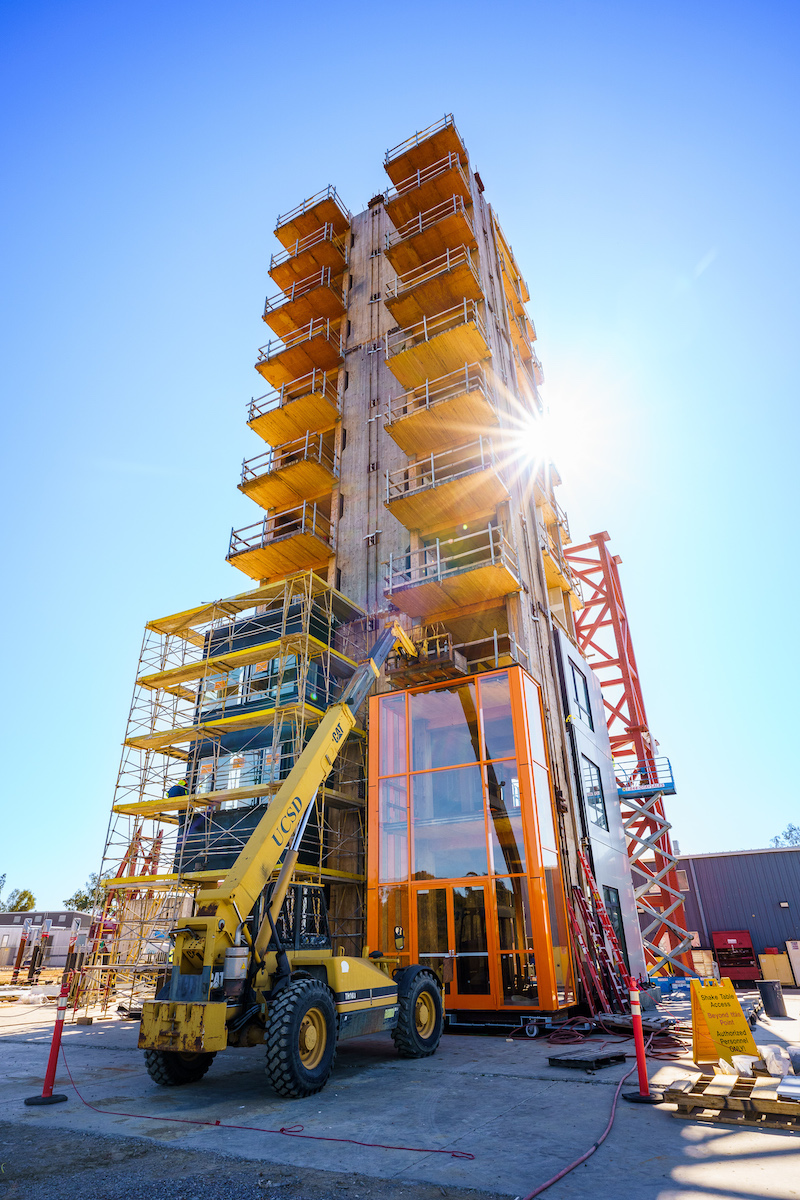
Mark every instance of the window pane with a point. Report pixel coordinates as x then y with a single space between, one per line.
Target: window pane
614 910
544 808
444 727
593 793
449 825
432 922
513 914
505 818
393 818
392 735
469 933
580 694
535 731
558 932
498 729
518 976
392 911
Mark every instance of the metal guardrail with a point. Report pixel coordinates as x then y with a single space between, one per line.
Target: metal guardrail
421 136
311 449
324 234
486 547
328 193
471 378
320 382
425 220
306 518
401 284
422 331
450 162
301 287
553 548
440 468
653 775
319 327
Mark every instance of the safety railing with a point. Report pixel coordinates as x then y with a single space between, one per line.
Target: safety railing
441 559
319 327
328 193
450 162
421 136
323 383
301 287
655 774
305 519
470 378
313 448
429 327
463 256
324 234
436 469
552 546
425 220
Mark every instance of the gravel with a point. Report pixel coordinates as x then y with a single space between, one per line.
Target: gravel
40 1163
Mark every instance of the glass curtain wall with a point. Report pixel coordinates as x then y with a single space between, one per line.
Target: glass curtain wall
462 850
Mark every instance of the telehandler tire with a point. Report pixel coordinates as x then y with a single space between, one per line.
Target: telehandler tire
301 1038
420 1019
170 1067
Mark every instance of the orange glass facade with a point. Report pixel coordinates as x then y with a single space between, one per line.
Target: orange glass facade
462 849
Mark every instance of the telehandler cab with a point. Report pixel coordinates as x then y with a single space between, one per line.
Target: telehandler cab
255 963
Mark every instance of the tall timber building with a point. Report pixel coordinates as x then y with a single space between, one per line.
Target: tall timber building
399 471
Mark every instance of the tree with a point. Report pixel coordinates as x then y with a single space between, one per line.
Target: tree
789 837
83 899
20 900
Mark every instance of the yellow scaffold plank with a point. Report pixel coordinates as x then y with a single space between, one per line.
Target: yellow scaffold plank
124 882
209 729
177 804
220 664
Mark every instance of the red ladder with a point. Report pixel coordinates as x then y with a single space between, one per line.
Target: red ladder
616 986
584 957
605 921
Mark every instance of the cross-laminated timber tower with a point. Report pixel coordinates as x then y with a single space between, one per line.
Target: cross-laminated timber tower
401 471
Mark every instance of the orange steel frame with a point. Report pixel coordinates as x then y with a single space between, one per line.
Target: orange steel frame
542 942
604 637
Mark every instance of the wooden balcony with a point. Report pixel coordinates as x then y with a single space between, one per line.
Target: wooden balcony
298 539
429 234
447 489
308 403
317 346
426 188
286 475
424 148
320 295
434 286
442 411
322 248
437 345
446 577
523 335
324 208
557 570
515 287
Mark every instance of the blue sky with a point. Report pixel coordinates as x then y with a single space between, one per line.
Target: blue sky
643 161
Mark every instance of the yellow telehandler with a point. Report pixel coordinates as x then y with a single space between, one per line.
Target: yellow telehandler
279 982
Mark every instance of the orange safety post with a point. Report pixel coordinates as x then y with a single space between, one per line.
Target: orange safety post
644 1095
47 1096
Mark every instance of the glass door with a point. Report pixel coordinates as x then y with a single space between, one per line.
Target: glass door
452 940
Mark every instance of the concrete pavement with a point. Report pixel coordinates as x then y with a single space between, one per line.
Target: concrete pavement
500 1101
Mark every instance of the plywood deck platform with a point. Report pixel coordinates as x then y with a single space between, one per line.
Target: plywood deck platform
471 495
471 585
305 479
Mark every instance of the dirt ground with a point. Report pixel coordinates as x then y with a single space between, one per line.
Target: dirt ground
48 1164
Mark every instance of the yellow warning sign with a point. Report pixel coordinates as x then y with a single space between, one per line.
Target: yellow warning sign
719 1027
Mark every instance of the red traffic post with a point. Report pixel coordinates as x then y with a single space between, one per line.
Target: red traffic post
47 1096
644 1095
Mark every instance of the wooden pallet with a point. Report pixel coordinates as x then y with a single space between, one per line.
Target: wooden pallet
734 1100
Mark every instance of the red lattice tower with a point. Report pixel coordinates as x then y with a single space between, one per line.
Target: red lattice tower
643 778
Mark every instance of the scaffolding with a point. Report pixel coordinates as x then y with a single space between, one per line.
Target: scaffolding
226 696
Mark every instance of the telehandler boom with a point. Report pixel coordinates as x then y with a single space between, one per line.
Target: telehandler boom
256 965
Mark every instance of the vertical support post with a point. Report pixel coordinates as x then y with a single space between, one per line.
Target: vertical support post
438 561
23 942
391 569
496 649
424 327
491 542
427 393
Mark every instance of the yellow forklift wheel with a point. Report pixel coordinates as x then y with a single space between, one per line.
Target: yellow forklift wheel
424 1015
313 1039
